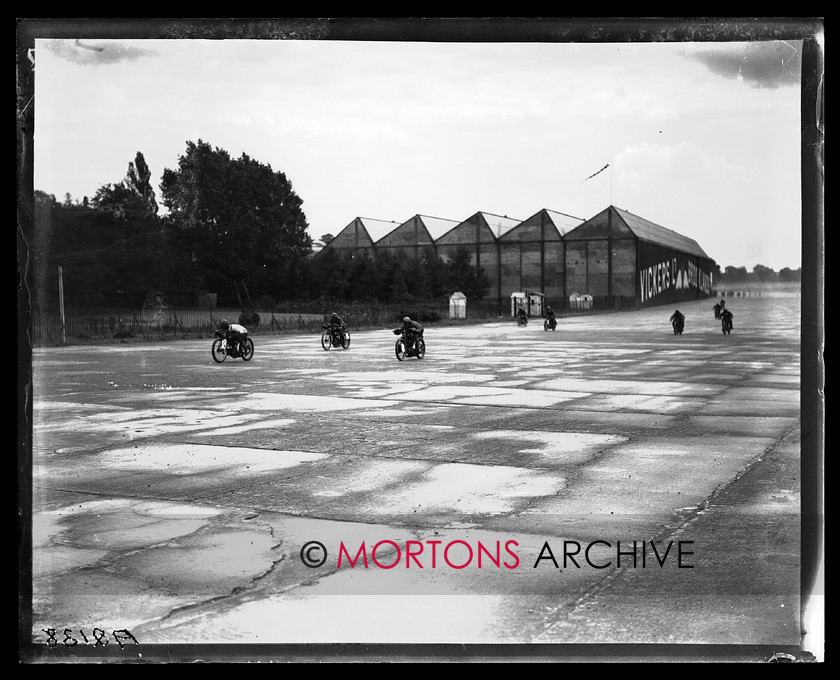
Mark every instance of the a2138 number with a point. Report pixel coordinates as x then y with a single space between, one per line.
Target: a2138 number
100 637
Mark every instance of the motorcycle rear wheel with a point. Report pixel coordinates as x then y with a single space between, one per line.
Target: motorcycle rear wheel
218 351
326 340
400 349
247 349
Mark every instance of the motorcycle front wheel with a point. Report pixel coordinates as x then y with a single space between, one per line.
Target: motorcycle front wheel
248 349
421 348
399 350
345 342
219 351
326 340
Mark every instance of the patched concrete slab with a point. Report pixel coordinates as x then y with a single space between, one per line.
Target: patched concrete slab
173 496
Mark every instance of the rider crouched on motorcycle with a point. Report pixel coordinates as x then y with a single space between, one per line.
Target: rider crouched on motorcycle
549 314
234 333
521 314
678 317
337 325
412 330
718 308
725 314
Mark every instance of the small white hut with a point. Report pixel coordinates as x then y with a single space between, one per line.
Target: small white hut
457 305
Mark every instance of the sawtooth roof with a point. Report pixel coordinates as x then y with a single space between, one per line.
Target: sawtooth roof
564 223
650 231
376 229
500 225
437 226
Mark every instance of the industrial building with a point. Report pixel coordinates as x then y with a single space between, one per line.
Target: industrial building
614 260
618 257
415 234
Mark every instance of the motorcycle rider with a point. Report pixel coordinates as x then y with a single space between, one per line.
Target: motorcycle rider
521 314
678 318
412 330
549 314
726 315
234 333
718 308
337 325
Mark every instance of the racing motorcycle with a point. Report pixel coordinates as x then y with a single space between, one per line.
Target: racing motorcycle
222 348
334 337
409 345
522 320
679 325
726 323
550 324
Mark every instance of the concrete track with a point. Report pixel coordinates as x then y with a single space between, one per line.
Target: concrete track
172 495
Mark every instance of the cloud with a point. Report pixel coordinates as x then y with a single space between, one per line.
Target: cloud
758 64
96 52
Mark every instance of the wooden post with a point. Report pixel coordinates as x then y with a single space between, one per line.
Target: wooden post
61 303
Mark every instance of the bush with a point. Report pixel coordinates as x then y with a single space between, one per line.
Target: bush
422 314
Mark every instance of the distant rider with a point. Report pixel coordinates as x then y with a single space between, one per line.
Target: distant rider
412 330
678 318
549 313
521 314
718 308
234 333
727 316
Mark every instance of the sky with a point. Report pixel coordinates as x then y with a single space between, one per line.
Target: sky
702 138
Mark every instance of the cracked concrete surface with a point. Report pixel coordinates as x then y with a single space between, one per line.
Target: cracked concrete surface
172 495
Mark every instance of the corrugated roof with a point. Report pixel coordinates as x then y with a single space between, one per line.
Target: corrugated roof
500 225
649 231
437 226
376 229
564 223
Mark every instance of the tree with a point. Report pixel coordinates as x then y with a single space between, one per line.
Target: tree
138 180
762 273
45 199
736 274
788 275
462 275
133 196
243 220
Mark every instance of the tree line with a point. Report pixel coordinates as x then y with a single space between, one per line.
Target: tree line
232 226
759 274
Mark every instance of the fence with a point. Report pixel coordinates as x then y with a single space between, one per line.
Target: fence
91 324
301 317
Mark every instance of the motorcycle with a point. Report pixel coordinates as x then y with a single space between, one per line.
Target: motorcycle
522 320
222 349
334 337
407 346
726 324
679 325
550 324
